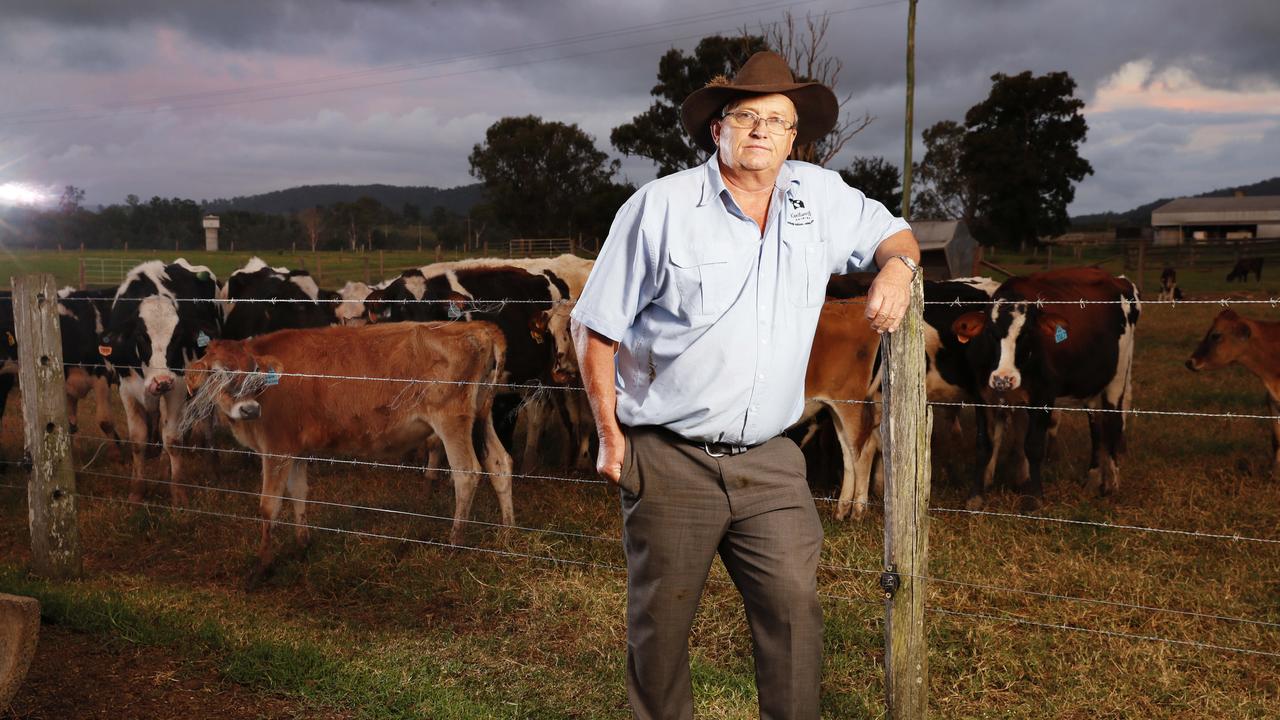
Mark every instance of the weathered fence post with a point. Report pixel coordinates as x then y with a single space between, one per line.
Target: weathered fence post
439 252
51 493
83 285
907 423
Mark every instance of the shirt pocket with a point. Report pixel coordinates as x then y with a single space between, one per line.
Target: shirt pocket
702 278
806 271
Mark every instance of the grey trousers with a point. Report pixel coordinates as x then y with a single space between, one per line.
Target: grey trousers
680 507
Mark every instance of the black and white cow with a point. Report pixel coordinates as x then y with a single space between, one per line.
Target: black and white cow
296 291
162 317
82 322
517 300
1026 353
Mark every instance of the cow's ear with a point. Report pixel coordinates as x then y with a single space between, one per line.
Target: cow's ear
1055 326
269 364
969 325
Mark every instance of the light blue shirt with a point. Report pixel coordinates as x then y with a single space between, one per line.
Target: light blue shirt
714 322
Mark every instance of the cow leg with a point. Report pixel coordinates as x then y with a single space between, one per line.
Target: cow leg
456 433
1033 445
985 469
497 462
297 486
435 459
859 443
997 423
1273 406
102 413
171 435
276 474
135 414
1093 478
1051 439
580 420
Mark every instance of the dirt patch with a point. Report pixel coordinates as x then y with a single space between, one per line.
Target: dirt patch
75 675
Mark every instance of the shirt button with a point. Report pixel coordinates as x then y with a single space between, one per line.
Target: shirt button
761 376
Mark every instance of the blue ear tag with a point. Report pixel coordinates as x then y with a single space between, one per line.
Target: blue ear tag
454 312
202 340
1060 334
271 377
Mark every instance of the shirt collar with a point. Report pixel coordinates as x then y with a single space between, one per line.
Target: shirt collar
713 182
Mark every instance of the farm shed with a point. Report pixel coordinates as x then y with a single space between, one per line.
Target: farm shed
946 248
1203 219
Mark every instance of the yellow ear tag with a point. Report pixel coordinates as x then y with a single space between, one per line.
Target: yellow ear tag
104 350
10 338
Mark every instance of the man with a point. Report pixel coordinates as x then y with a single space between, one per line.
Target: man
708 289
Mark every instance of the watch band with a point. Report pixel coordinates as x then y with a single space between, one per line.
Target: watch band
911 264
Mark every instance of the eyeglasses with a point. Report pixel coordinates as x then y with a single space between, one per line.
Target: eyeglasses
747 120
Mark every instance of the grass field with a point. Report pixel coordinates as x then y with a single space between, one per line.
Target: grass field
106 268
392 629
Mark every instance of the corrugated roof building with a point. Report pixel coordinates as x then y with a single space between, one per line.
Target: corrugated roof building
1216 218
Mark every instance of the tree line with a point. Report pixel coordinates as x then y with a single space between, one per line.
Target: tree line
1008 170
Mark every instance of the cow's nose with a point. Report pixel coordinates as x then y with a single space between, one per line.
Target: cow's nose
250 411
161 386
1191 364
1002 382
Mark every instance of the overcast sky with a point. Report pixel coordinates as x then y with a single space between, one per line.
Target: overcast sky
204 99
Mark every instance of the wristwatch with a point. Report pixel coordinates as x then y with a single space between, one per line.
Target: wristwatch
911 264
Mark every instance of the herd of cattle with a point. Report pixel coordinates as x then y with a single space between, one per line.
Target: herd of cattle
419 362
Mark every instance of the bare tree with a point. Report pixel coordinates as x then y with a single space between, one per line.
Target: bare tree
312 220
805 50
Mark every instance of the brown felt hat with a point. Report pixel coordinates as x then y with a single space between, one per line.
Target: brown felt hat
764 73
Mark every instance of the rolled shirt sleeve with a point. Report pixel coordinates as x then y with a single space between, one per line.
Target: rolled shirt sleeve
622 281
857 226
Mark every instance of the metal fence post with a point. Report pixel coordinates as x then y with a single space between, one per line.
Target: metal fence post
51 492
907 423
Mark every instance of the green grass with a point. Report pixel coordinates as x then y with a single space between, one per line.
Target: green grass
390 629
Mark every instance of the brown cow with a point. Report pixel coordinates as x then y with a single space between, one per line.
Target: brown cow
1255 344
839 378
262 387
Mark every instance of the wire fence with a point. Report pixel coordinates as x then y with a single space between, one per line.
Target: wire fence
837 571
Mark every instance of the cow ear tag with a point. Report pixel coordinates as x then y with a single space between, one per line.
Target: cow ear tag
202 340
104 350
272 377
454 312
12 341
1060 334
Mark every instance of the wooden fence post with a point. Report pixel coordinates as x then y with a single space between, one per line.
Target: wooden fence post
83 285
51 493
908 421
439 252
382 264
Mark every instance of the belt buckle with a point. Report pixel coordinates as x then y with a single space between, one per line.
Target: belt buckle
727 449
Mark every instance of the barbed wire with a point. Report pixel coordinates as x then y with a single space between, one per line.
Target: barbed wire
621 568
1108 526
1108 633
816 398
1273 302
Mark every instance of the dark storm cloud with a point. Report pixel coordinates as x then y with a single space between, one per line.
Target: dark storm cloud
54 52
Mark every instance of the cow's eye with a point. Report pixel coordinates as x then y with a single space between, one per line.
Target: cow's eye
1215 337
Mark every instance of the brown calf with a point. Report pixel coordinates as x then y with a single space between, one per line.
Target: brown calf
1255 344
447 373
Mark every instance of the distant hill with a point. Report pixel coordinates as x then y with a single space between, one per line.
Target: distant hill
1141 215
458 199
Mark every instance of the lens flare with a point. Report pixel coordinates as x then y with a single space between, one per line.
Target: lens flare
17 193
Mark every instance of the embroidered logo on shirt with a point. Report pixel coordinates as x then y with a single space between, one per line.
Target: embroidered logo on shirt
798 213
